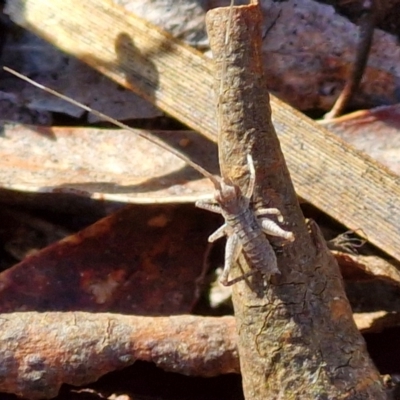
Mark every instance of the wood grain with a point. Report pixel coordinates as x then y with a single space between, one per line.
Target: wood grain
326 172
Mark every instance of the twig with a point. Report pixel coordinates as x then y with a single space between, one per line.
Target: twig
41 351
367 27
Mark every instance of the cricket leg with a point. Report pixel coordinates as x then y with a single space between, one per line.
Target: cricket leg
205 205
219 233
232 250
269 211
252 178
271 228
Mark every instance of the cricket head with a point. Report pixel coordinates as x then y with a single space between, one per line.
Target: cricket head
230 197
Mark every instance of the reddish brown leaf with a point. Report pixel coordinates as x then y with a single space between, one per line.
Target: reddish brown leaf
375 132
140 260
359 267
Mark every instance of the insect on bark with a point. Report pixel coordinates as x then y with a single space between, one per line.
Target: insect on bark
244 227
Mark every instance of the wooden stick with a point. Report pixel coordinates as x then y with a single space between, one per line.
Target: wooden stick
297 336
328 173
41 351
83 341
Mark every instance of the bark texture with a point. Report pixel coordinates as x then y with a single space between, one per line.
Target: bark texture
41 351
297 336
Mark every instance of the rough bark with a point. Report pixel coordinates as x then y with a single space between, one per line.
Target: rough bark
297 337
41 351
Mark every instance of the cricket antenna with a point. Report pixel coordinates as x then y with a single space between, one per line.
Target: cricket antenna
215 181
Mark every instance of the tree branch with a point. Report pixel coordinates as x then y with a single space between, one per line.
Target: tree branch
297 337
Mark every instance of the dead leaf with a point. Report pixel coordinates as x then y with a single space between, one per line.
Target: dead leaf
140 260
360 267
51 67
184 19
107 164
374 322
375 132
307 68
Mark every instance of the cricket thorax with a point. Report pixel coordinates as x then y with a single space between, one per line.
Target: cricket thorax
231 199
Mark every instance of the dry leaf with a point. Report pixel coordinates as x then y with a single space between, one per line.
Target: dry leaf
104 164
51 67
375 132
307 68
140 260
377 321
359 267
184 19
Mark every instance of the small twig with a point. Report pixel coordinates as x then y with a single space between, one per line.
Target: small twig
367 27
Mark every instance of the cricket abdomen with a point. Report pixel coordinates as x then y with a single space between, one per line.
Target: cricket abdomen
258 250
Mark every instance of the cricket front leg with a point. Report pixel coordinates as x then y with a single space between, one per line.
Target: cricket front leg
219 233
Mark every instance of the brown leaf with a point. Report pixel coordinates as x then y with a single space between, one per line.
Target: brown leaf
109 164
51 67
377 321
142 260
359 267
183 19
307 68
375 132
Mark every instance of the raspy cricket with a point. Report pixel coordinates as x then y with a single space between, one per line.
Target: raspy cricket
244 227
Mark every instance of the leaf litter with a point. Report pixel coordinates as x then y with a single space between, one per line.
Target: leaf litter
78 273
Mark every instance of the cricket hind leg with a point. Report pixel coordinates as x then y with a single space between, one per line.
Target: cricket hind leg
271 228
269 211
232 251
